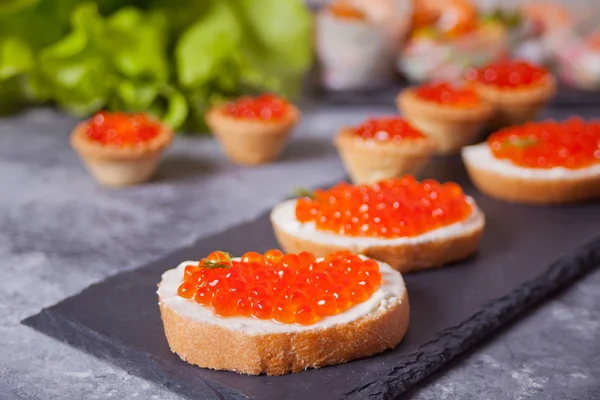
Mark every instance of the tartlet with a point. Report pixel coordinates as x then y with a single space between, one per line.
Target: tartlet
518 90
382 148
539 163
121 149
253 130
452 115
276 313
407 224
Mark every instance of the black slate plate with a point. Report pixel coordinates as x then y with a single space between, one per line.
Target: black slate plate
526 254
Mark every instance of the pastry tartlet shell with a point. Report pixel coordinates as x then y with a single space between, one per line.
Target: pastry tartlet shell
120 166
251 142
369 161
450 127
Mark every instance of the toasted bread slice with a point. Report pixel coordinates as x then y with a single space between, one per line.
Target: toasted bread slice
254 346
506 181
432 249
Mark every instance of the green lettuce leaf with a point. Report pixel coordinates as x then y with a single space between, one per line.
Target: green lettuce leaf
15 58
119 61
275 39
8 7
171 58
207 45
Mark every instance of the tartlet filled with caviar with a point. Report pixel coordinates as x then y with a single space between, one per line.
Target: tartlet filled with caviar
549 162
518 90
121 149
274 313
407 224
452 115
253 130
383 148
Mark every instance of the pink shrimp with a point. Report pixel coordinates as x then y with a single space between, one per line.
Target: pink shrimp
453 17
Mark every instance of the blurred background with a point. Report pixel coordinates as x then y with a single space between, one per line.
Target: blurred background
176 58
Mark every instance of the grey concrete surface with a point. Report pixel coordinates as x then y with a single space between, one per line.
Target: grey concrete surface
60 232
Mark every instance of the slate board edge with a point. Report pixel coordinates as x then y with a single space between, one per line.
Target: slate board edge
420 364
53 323
494 316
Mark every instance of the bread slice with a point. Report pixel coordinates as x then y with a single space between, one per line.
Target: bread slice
254 346
506 181
432 249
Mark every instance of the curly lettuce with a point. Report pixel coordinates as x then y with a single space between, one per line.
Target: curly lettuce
172 59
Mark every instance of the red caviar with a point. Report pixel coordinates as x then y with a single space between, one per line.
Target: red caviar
448 94
289 288
266 107
122 129
573 143
509 74
401 207
386 129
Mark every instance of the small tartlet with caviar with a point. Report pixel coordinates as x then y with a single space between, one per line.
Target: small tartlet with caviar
382 148
452 115
407 224
277 313
121 149
549 162
253 130
518 90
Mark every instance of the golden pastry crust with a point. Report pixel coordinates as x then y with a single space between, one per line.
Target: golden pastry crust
369 161
409 103
406 257
211 345
450 127
88 148
120 166
516 105
533 191
249 142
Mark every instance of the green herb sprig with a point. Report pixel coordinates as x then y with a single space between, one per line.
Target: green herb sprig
519 143
213 264
303 192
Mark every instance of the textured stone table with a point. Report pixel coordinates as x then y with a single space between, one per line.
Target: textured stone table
60 232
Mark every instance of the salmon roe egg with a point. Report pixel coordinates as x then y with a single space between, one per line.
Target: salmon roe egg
509 74
387 129
289 288
401 207
266 107
573 144
445 93
121 129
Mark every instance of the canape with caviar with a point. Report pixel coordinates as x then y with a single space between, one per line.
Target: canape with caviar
253 130
518 90
277 313
539 162
405 223
451 114
121 149
382 148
